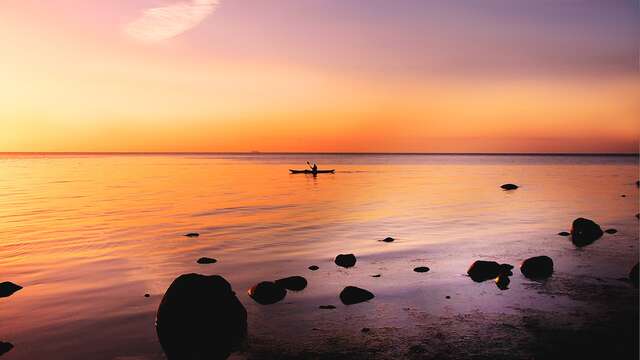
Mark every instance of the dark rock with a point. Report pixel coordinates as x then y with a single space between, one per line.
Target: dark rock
502 281
200 317
7 288
585 232
611 231
327 307
345 260
388 239
447 297
509 187
564 233
206 260
353 295
376 275
267 293
638 216
638 183
365 330
633 275
313 268
5 347
623 195
147 295
487 270
295 283
421 269
538 267
193 234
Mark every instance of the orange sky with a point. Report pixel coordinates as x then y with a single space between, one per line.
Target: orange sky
80 80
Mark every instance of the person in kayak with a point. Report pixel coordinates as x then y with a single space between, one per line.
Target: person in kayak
314 168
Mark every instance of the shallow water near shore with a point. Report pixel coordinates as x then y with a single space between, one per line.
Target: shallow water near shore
88 235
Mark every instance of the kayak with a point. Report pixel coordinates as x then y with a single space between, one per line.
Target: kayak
311 172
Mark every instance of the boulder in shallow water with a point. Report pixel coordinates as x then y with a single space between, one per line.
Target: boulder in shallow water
421 269
538 267
295 283
200 317
267 293
206 260
509 186
354 295
633 275
345 260
482 270
7 288
585 232
5 347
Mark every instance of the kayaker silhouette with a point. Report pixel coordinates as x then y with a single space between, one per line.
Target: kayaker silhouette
314 168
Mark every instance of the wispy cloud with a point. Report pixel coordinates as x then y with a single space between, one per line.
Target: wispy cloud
161 23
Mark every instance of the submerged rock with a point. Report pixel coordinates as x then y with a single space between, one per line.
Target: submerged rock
564 233
539 267
354 295
206 260
388 239
482 270
502 281
345 260
5 347
376 275
7 288
509 186
313 268
295 283
200 317
192 234
327 307
267 293
421 269
611 231
585 232
633 275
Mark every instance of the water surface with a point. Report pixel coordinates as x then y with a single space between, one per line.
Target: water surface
88 235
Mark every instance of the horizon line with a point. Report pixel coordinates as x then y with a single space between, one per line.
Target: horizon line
115 153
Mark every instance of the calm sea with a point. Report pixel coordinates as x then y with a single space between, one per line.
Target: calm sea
88 235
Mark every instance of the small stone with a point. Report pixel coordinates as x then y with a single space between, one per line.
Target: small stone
5 347
267 293
564 233
327 307
388 239
538 267
313 268
376 276
611 231
147 295
365 330
421 269
354 295
7 288
206 260
509 187
295 283
345 260
192 234
447 297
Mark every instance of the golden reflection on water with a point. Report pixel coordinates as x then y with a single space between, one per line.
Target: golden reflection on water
87 236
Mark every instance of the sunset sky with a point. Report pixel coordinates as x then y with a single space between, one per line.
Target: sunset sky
320 75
